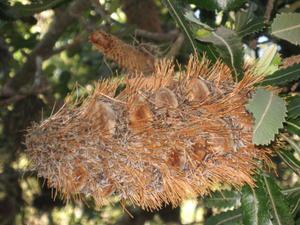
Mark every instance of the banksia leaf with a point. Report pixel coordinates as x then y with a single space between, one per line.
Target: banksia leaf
125 55
247 23
283 76
233 217
293 107
230 48
269 112
159 141
290 160
223 199
255 205
293 126
286 26
293 197
177 11
263 66
277 203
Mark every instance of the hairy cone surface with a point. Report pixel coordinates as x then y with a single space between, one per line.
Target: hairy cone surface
160 141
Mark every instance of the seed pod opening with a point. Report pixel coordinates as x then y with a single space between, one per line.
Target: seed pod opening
199 90
165 98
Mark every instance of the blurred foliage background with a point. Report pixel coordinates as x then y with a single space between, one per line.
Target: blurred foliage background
45 53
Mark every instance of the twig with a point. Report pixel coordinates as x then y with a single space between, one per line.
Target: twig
176 46
269 9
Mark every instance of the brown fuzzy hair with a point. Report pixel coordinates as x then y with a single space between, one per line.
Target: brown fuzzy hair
125 55
161 140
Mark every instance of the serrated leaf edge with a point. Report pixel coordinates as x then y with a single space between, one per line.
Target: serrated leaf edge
283 75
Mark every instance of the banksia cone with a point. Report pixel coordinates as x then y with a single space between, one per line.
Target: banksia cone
125 55
160 141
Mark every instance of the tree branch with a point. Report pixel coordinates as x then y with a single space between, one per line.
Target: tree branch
63 19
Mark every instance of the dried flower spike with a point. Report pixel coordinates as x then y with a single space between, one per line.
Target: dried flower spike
160 141
125 55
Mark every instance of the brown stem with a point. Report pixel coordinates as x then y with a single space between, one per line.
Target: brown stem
269 9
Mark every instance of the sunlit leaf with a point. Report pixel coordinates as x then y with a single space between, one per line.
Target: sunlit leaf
269 112
265 61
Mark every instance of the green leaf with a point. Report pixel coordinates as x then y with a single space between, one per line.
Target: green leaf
218 4
247 23
289 159
204 30
255 205
176 10
230 48
290 191
264 63
223 199
233 217
293 107
293 126
279 207
287 26
269 112
189 15
293 144
283 76
293 199
226 42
